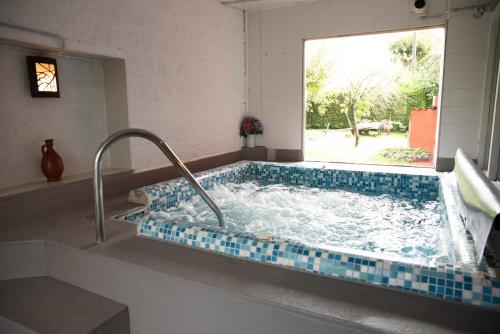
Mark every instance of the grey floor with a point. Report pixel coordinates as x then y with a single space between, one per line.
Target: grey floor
47 305
376 308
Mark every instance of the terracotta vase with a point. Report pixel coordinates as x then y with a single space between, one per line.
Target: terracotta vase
52 164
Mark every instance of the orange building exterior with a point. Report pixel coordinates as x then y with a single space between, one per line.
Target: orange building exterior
422 132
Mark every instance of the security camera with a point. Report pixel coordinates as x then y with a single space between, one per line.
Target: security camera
418 8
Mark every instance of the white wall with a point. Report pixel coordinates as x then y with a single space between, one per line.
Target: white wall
184 65
76 121
275 46
463 84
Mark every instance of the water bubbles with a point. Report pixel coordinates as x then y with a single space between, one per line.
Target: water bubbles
319 217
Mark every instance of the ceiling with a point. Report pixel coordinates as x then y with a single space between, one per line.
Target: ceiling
466 3
266 4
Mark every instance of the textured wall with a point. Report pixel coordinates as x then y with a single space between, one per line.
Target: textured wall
184 62
76 121
275 42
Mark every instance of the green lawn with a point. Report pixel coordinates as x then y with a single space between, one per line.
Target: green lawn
338 146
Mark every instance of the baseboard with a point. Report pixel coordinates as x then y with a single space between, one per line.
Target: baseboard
283 155
445 164
258 153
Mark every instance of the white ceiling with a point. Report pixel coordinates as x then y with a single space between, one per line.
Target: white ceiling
465 3
266 4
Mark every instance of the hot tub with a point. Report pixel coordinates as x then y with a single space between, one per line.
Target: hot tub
395 230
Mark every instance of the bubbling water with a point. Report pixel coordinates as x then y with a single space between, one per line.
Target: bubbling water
323 218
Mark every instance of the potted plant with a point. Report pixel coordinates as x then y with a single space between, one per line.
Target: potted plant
250 126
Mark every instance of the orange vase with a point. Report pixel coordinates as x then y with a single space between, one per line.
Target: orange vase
52 164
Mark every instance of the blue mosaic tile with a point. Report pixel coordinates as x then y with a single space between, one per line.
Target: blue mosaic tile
466 282
420 187
131 217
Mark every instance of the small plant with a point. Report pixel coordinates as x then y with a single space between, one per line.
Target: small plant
251 126
406 154
398 126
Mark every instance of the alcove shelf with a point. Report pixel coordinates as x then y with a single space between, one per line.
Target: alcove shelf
109 88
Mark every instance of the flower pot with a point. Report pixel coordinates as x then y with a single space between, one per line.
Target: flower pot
52 164
251 141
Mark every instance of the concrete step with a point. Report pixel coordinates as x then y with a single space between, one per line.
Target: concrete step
46 305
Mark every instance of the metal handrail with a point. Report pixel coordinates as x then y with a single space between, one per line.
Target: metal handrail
181 168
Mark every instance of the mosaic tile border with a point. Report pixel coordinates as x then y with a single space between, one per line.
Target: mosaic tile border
164 195
444 281
131 216
421 187
458 283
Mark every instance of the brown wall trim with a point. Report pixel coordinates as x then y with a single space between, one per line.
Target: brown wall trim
445 164
258 153
288 155
23 207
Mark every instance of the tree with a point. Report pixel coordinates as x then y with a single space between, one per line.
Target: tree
402 50
417 84
315 78
316 74
341 108
329 113
323 107
353 96
377 96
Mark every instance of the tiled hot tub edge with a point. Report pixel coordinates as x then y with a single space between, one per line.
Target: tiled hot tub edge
438 280
444 281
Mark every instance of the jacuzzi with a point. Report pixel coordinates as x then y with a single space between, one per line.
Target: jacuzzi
395 230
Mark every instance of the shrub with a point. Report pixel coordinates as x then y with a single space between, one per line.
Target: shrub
406 154
326 112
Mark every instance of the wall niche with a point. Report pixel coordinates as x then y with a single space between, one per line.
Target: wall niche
92 105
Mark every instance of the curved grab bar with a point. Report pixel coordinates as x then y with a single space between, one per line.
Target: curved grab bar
181 168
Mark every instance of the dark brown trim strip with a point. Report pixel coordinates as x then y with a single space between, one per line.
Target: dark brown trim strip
445 164
258 153
288 155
